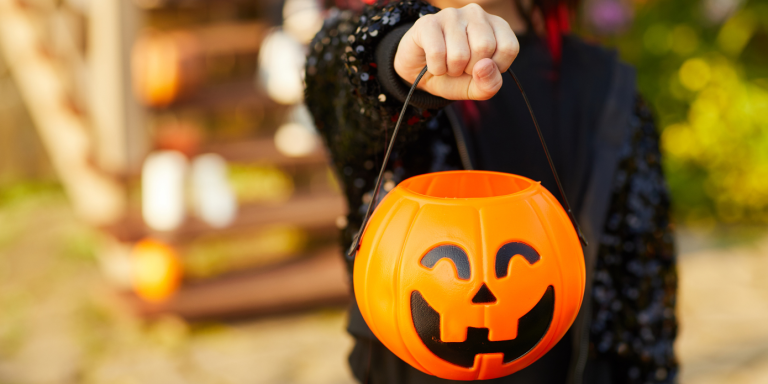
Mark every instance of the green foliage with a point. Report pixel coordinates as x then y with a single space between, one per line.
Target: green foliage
708 82
20 191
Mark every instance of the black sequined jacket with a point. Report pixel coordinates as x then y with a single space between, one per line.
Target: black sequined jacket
627 327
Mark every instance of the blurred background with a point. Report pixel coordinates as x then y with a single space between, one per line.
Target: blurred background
167 213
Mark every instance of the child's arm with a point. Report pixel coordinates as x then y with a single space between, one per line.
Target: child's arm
352 111
356 67
355 87
634 292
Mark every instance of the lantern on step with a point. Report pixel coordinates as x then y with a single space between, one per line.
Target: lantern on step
156 270
469 275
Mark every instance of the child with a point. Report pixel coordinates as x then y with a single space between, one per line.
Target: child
465 115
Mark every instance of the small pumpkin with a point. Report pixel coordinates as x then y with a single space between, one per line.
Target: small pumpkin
156 270
469 274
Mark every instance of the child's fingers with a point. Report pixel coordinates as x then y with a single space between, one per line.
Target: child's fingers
465 51
507 46
457 46
486 80
429 37
482 42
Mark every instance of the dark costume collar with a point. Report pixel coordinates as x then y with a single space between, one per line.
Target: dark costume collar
567 101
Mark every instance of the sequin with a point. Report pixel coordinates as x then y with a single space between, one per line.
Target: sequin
639 259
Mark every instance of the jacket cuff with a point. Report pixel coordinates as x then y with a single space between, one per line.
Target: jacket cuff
391 82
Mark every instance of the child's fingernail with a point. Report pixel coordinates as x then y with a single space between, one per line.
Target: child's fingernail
485 71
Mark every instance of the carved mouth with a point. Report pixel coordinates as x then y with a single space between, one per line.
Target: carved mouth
531 328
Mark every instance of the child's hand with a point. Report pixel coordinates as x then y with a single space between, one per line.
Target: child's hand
465 49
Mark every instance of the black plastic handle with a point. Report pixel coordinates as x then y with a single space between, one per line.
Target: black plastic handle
356 241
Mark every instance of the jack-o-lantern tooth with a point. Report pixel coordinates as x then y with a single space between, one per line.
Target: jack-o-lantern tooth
456 331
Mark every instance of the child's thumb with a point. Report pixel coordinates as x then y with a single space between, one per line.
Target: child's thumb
486 80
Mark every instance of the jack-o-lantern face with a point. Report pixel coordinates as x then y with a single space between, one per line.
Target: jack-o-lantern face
531 327
469 275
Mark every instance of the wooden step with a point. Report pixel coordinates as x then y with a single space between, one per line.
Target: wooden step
307 211
242 94
264 150
167 66
311 282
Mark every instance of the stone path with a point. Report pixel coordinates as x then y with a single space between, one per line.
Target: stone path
60 323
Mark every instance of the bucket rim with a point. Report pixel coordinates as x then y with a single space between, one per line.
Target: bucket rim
405 185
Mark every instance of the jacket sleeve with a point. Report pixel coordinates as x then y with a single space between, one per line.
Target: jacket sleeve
634 324
353 112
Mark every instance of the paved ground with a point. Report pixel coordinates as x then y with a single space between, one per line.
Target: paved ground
59 323
724 311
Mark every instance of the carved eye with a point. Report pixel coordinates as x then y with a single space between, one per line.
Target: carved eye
510 250
451 252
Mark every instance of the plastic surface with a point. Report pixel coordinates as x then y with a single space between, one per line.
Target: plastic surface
488 261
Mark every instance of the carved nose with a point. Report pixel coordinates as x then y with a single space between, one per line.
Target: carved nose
484 296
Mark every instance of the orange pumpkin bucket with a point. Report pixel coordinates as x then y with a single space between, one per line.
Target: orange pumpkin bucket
469 275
